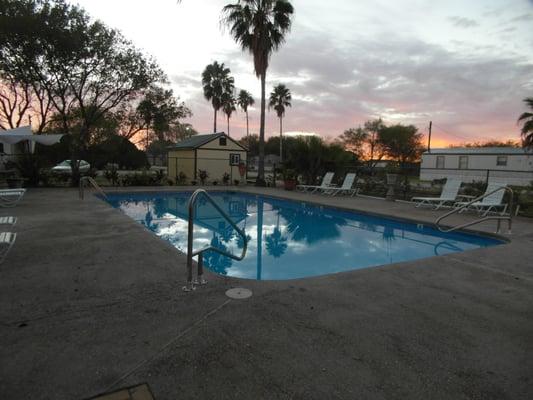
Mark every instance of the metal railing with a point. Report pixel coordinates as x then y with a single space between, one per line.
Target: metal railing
498 218
84 180
190 231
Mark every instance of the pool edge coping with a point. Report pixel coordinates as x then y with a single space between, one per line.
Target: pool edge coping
492 235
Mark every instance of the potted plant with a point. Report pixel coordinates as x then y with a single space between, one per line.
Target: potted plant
225 178
181 178
392 173
242 171
290 179
203 175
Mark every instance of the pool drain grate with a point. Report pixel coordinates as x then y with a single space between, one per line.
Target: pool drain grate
238 293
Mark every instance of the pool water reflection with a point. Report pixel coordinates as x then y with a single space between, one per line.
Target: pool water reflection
288 239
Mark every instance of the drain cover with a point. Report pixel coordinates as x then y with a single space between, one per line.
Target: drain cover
238 293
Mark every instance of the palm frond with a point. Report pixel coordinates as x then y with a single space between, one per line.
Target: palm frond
525 115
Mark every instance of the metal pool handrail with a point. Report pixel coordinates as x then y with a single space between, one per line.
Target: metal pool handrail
93 183
190 231
499 218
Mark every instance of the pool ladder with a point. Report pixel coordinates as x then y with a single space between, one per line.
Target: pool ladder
87 180
498 218
190 231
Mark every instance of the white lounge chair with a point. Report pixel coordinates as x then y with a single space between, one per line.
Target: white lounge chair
448 195
346 187
326 184
11 197
490 202
8 220
7 239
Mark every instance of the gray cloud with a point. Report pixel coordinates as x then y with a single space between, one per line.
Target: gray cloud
523 17
462 22
404 80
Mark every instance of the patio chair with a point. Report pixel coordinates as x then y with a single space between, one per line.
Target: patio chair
8 220
448 195
7 239
11 197
492 201
346 187
326 184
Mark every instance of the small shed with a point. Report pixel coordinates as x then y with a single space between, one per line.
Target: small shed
215 153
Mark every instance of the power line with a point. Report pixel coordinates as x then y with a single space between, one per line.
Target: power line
451 134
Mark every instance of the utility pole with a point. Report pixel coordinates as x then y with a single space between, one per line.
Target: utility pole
429 137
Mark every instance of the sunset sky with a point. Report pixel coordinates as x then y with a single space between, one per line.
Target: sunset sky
466 66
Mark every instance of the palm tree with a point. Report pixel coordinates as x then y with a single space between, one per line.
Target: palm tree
279 99
259 26
245 100
228 105
276 242
527 128
216 81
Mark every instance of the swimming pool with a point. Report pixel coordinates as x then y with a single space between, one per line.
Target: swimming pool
289 239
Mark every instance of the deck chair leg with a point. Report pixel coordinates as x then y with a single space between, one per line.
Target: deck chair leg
439 205
487 211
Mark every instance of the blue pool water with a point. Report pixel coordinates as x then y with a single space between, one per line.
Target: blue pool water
289 239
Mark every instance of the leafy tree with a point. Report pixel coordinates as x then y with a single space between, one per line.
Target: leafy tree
372 128
216 81
181 131
259 26
527 128
355 140
23 103
364 141
245 100
116 150
160 111
228 106
251 142
402 143
311 157
87 69
280 98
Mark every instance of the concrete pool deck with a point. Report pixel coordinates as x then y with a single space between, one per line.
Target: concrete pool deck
90 302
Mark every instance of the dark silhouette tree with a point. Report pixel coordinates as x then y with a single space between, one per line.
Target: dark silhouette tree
276 242
216 81
280 99
245 100
260 27
86 68
228 106
527 120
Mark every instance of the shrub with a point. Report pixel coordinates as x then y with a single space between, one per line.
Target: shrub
111 174
159 175
181 179
203 175
475 188
225 178
140 179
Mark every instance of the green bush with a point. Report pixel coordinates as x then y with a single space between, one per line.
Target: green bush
141 179
181 179
111 174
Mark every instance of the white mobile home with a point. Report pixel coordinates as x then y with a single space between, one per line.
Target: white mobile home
507 164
